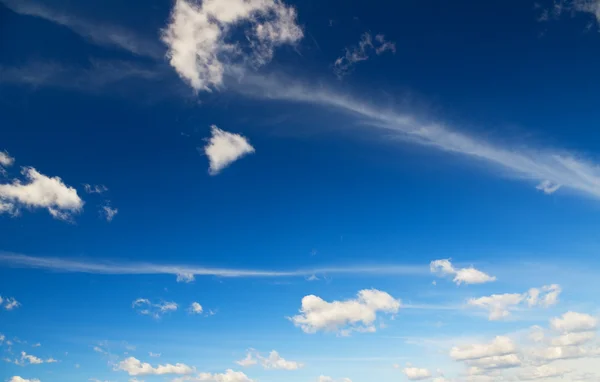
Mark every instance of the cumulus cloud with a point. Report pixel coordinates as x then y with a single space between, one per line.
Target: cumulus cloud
499 346
201 37
574 322
469 275
228 376
273 361
16 378
500 306
346 316
196 308
344 64
416 374
156 310
40 191
543 372
135 367
224 148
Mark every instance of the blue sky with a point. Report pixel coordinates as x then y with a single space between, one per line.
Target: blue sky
236 191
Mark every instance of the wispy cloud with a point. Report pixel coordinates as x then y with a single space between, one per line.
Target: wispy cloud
555 166
116 268
98 33
353 55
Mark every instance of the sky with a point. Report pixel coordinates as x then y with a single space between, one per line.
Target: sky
310 191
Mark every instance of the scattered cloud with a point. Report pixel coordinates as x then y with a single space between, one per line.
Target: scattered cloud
156 310
228 376
501 305
416 374
16 378
28 359
108 212
196 308
273 362
463 275
9 303
560 7
224 148
95 189
135 367
346 316
40 191
344 64
100 34
199 37
5 161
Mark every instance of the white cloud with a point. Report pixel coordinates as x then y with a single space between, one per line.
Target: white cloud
469 275
535 165
359 314
224 148
108 212
273 362
9 303
573 339
501 305
543 372
228 376
135 367
416 374
40 191
344 64
100 34
16 378
32 360
196 308
324 378
185 271
199 36
5 159
548 187
154 355
95 189
155 310
500 346
574 322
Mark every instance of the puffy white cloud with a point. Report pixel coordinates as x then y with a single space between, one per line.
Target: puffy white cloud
416 374
573 339
344 64
200 36
16 378
156 310
500 305
108 212
500 346
228 376
574 322
40 191
196 308
543 372
5 159
224 148
135 367
350 315
274 361
469 275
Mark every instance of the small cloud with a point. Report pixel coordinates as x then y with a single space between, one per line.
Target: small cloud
312 278
463 275
36 345
154 355
344 64
185 277
95 189
108 212
5 161
273 362
156 310
224 148
9 303
548 187
196 308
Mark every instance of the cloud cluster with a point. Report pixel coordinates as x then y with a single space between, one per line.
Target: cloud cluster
346 316
156 310
28 359
469 275
16 378
367 45
499 306
135 367
273 362
201 37
40 191
224 148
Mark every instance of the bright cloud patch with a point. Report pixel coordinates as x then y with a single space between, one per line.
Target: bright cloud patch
40 191
108 212
196 308
574 322
201 36
499 306
147 308
9 303
274 361
416 374
224 148
228 376
5 161
344 64
463 275
16 378
346 316
135 367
